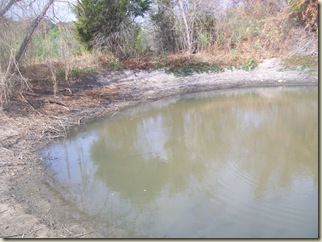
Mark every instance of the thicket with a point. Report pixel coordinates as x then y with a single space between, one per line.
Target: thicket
183 36
110 24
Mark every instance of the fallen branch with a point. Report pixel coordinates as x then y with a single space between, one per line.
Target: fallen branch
32 94
26 101
21 234
4 199
4 211
56 102
4 164
80 235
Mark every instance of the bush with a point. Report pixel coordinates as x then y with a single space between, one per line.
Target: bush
305 12
108 24
186 67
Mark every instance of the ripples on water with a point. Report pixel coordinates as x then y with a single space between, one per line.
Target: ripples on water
235 164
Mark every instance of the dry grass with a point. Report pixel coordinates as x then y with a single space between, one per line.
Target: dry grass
11 80
305 12
77 67
5 91
259 31
301 62
242 35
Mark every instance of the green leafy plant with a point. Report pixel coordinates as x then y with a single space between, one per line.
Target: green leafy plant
82 72
161 60
101 18
188 68
116 64
249 65
76 72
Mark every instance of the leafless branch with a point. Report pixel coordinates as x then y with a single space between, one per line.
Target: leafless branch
7 7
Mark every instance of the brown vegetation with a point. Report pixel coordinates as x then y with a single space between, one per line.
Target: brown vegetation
240 34
57 85
32 119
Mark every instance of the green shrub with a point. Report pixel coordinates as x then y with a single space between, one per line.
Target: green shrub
76 72
249 65
187 69
161 60
116 64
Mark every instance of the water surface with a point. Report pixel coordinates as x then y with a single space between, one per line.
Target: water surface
229 164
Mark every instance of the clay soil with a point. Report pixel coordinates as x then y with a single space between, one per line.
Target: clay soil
29 207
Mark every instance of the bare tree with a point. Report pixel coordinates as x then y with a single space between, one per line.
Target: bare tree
7 7
185 23
187 29
30 33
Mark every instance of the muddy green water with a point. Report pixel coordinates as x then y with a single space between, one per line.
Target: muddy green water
230 164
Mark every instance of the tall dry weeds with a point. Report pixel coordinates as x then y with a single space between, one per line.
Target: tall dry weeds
306 13
11 81
258 29
7 79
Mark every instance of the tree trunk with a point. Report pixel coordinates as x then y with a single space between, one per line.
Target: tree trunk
30 33
7 7
188 38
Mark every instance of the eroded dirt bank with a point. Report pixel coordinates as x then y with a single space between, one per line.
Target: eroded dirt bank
28 206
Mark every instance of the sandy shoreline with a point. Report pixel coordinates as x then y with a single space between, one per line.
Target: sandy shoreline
29 208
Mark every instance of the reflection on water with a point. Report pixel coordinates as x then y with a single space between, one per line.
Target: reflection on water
231 164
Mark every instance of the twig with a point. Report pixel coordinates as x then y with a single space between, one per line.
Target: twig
4 211
10 236
68 89
57 102
80 120
77 235
32 94
8 164
29 103
21 234
4 200
67 230
5 147
55 117
80 235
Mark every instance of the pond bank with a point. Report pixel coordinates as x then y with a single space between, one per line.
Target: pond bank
28 206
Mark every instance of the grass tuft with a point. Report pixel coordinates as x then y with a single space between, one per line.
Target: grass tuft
301 62
187 69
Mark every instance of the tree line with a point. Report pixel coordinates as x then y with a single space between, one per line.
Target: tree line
176 25
132 28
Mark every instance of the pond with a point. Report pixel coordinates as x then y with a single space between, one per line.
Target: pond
221 164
